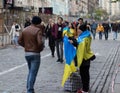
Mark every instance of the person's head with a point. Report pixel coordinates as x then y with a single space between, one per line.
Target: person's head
71 25
60 20
100 24
14 22
50 20
36 20
80 21
66 23
27 19
81 28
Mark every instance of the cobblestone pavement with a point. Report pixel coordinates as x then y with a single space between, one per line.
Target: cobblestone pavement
104 71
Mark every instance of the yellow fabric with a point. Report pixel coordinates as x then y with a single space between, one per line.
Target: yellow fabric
70 33
68 69
84 50
100 29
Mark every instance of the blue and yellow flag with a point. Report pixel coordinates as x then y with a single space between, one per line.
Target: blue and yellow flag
70 53
84 50
69 32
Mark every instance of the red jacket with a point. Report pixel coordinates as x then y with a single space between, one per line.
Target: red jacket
55 30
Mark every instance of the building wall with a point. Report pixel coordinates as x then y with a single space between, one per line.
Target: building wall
111 8
115 8
78 7
59 7
73 8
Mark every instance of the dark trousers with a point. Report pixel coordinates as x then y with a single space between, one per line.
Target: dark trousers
100 35
52 45
106 35
94 33
85 76
59 48
52 48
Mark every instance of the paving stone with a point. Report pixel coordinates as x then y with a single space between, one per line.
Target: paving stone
50 73
117 80
117 88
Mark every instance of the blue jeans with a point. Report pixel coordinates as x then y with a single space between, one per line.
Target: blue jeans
33 62
15 40
114 35
100 35
94 33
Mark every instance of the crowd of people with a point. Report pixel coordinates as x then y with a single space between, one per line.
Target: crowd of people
105 28
75 36
100 28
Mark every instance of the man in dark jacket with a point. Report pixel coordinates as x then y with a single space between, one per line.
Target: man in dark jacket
27 23
57 34
106 29
31 40
93 29
115 30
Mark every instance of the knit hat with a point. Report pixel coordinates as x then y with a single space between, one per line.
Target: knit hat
83 27
36 20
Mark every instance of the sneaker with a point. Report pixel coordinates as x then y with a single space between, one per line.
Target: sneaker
61 60
53 56
58 60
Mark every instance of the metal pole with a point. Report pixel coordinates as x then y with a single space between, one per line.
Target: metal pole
2 29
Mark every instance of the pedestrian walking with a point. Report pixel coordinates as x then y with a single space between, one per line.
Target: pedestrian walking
27 23
14 32
31 40
100 30
93 29
84 55
57 33
51 41
43 26
106 30
118 27
115 30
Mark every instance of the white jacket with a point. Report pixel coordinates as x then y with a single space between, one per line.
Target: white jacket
13 31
